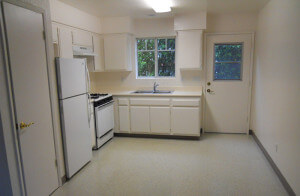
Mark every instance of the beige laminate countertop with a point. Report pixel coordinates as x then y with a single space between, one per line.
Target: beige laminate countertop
175 93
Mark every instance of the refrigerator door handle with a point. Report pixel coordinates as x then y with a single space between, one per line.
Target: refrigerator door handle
88 78
88 91
88 109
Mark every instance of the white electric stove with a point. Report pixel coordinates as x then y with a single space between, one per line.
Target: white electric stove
104 118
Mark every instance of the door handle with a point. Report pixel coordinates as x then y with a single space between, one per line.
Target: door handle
209 91
24 125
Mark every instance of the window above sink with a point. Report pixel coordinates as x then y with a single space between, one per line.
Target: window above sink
155 57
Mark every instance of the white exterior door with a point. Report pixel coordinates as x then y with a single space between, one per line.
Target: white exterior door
228 82
28 66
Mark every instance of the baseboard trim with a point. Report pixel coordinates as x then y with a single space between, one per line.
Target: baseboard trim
282 179
64 179
157 136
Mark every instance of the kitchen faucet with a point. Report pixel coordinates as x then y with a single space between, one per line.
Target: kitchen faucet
154 86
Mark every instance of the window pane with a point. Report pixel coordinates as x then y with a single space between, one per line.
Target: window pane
141 44
171 44
161 44
166 63
227 71
146 64
150 44
228 52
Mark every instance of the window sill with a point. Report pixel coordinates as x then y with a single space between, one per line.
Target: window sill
155 78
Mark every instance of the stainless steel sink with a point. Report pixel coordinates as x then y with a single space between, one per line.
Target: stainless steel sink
152 92
162 92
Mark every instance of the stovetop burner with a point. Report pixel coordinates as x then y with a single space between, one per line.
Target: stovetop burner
97 95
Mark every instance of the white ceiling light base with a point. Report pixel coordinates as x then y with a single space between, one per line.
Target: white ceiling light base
160 6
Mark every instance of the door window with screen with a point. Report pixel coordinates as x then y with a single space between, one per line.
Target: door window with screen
155 57
228 61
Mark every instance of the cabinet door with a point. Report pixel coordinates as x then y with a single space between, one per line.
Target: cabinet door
140 119
124 121
117 52
65 43
185 121
98 49
54 33
160 120
82 38
191 41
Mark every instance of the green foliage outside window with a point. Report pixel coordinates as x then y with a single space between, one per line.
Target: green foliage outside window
228 61
156 57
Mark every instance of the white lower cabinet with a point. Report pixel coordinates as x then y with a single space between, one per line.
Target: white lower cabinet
159 115
185 120
160 120
124 119
140 119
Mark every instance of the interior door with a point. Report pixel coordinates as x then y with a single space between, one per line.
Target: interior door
28 66
228 84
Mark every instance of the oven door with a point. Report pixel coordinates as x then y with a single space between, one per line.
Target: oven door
104 116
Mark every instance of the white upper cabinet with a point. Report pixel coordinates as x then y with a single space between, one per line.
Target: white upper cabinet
65 42
82 38
117 52
99 50
189 49
54 33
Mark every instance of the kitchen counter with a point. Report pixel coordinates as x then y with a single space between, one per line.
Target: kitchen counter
177 92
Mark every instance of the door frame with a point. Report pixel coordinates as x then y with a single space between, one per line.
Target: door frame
5 65
252 34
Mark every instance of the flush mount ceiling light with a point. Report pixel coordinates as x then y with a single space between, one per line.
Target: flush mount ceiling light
160 6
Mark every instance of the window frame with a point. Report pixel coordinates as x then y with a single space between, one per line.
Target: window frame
156 76
242 60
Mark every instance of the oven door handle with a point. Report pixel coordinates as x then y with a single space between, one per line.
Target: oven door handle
100 106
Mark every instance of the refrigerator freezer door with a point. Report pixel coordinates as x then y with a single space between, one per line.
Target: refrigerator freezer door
71 76
76 133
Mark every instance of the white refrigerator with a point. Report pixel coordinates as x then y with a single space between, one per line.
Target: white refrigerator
73 86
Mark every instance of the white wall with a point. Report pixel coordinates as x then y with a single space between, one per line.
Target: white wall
155 27
68 15
116 25
232 22
146 28
276 92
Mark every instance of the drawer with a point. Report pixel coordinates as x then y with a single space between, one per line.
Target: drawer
186 102
123 101
150 101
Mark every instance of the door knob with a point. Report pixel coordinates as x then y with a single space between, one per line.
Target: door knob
209 91
24 125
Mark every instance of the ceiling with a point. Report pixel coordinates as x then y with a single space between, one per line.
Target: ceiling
140 8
